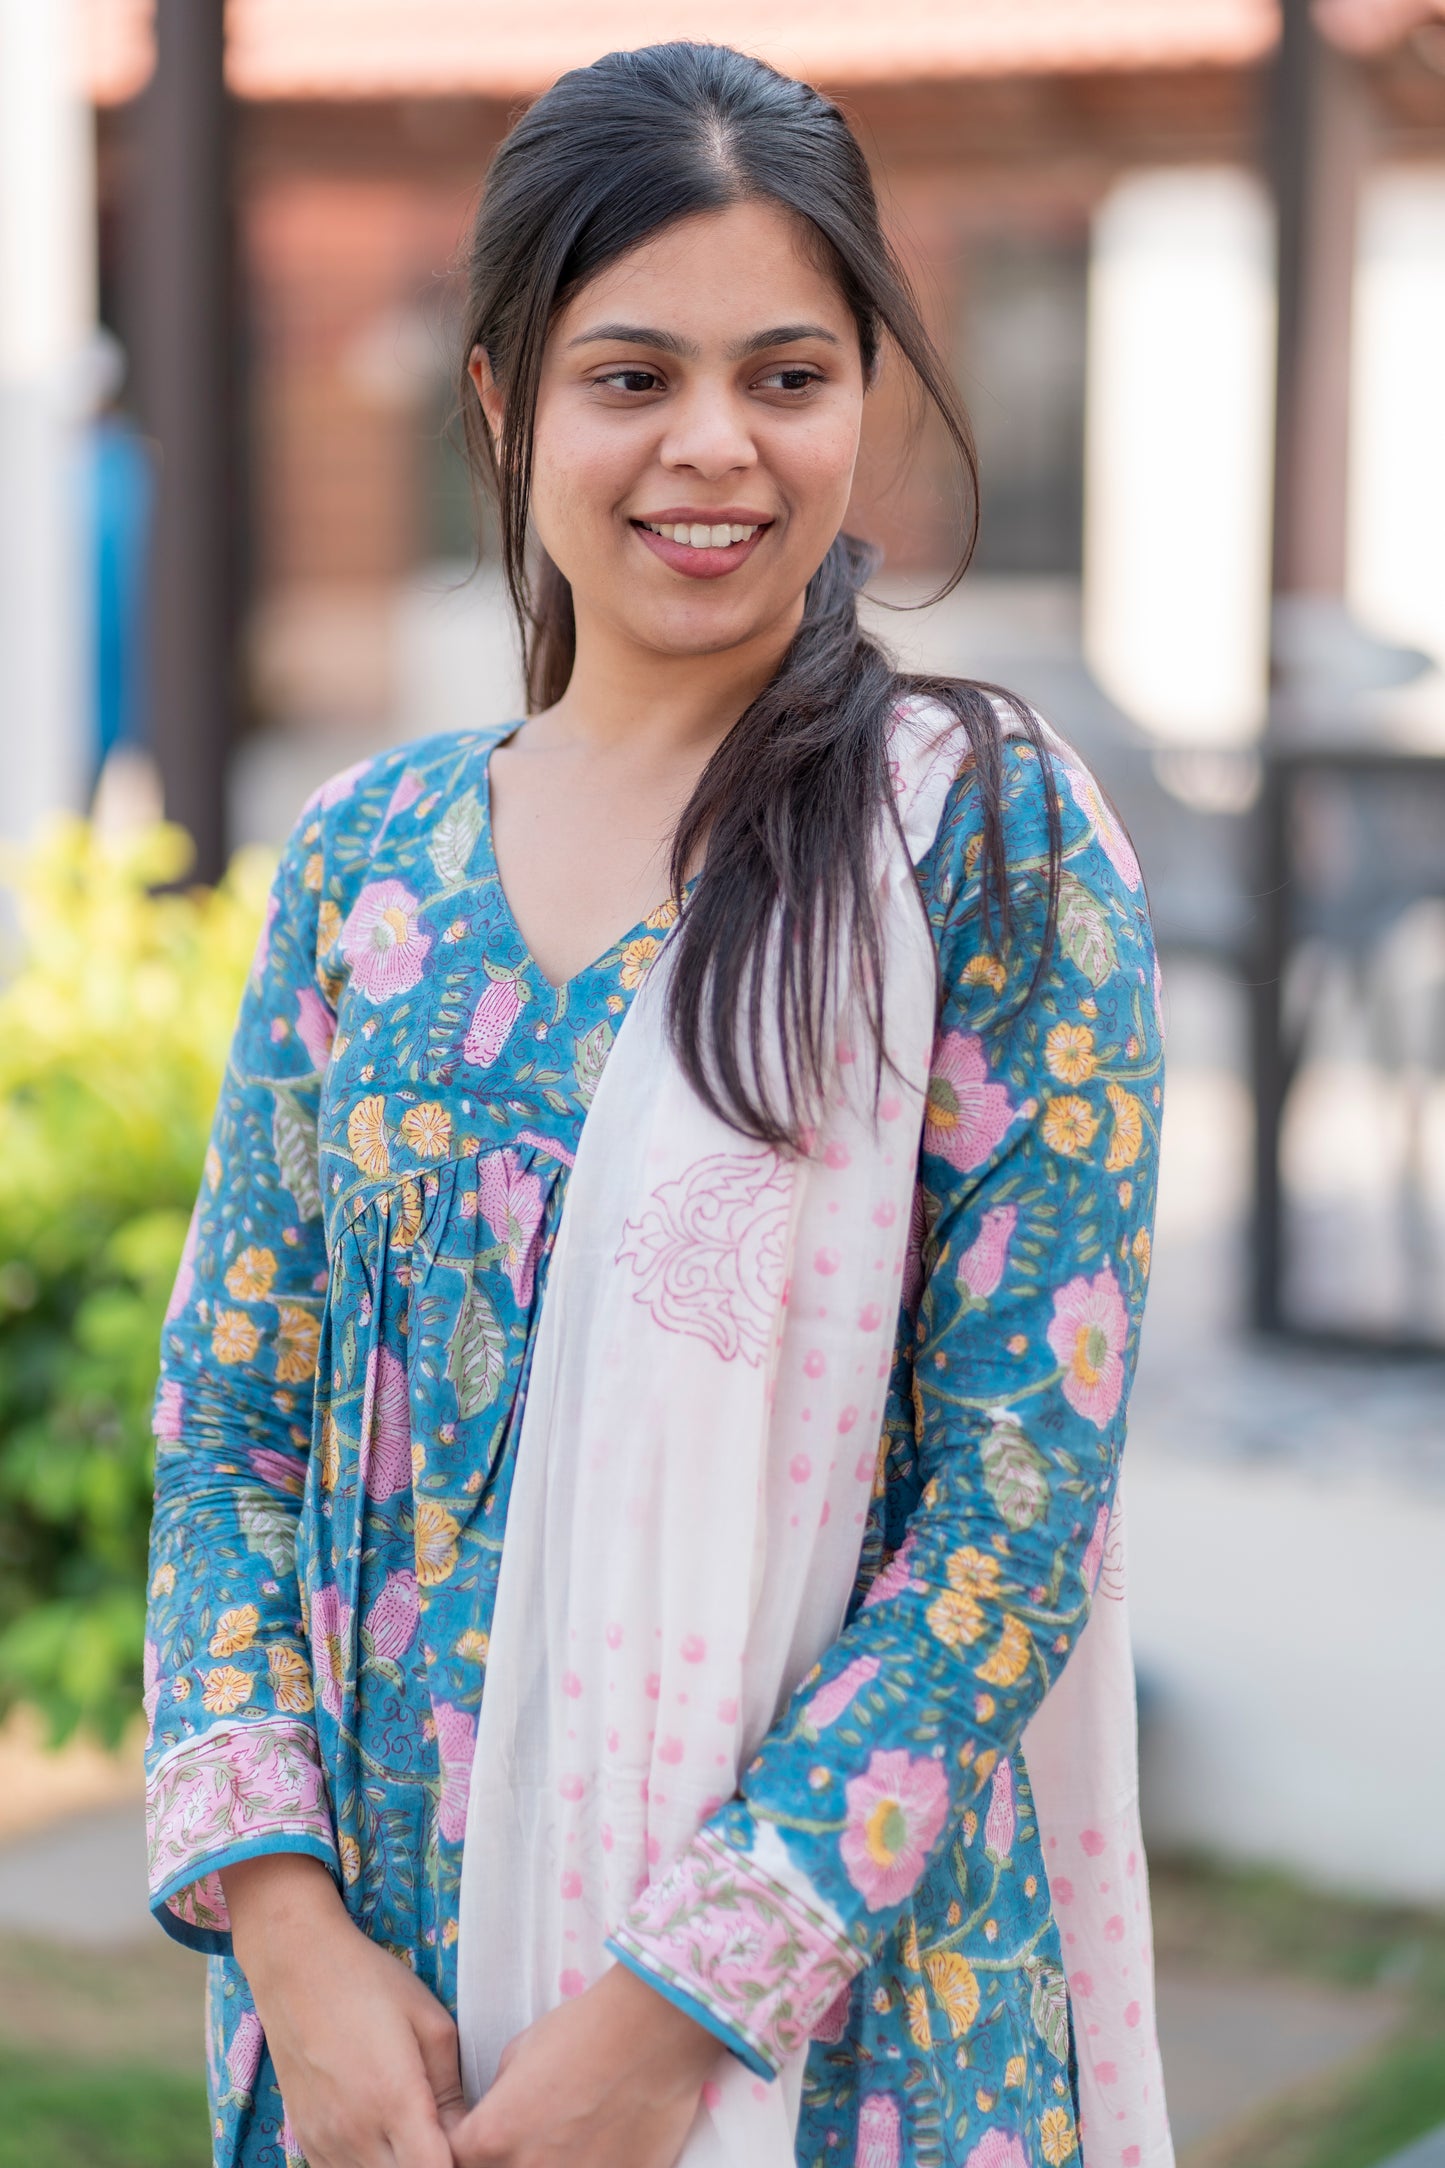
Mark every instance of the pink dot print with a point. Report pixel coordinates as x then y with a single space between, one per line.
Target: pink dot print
827 1261
1114 1928
614 1636
727 1711
654 1851
572 1983
694 1649
870 1317
571 1883
1092 1842
884 1214
890 1108
847 1419
671 1750
571 1684
571 1787
653 1685
800 1467
1132 2014
1063 1890
813 1363
836 1154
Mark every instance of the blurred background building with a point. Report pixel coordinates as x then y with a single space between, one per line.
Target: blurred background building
1188 260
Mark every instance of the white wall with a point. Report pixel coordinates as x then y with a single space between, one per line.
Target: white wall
1397 434
47 285
1178 452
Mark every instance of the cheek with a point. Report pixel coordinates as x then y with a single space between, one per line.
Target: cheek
578 475
815 467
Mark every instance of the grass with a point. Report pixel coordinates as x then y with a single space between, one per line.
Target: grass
57 2114
1259 1923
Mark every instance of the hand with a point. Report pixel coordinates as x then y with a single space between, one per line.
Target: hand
365 2055
611 2080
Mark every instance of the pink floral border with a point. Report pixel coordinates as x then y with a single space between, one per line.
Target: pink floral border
228 1788
719 1929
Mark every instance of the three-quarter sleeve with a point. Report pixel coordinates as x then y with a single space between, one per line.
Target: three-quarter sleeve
1000 1455
233 1768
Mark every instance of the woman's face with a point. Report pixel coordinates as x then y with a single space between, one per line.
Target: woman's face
710 381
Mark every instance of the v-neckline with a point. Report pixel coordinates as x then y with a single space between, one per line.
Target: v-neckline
558 988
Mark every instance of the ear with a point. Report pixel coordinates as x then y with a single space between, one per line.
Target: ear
479 369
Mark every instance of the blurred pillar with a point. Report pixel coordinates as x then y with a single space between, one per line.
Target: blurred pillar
181 312
47 317
1177 452
1317 151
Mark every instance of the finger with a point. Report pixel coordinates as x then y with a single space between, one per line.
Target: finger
417 2142
474 2140
441 2060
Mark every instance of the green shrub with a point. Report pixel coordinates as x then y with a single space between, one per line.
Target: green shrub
114 1025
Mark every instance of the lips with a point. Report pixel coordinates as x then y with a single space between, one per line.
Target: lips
725 539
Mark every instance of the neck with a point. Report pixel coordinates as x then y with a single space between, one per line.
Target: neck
624 697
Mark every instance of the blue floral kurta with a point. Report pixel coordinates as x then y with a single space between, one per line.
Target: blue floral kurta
338 1413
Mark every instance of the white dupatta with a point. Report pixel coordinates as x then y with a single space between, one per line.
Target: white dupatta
698 1448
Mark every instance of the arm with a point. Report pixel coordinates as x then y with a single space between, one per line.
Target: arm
232 1763
1035 1262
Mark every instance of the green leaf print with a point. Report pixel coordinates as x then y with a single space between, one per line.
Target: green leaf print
1049 2006
1085 932
1014 1473
293 1133
590 1058
268 1529
455 839
478 1359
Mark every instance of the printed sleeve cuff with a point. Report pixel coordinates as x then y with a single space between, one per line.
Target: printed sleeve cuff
699 2011
233 1794
730 1938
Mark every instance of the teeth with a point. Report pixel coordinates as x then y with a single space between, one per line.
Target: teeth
698 537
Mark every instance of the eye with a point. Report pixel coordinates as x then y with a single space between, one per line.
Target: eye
631 380
794 380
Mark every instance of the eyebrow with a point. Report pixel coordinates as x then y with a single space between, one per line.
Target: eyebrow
667 342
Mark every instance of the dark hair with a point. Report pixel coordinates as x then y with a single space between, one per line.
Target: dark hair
788 807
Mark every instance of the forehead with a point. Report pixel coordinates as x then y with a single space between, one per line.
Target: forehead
715 277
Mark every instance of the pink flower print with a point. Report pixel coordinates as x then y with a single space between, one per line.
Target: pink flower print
456 1743
982 1264
1107 826
880 2132
186 1270
263 939
896 1579
830 1701
330 1646
383 942
315 1025
492 1021
966 1116
998 1827
170 1411
409 787
385 1426
341 786
392 1620
278 1471
895 1810
709 1252
832 2025
1089 1328
998 2149
511 1205
243 2057
1093 1559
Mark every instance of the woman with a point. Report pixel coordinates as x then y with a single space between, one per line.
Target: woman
612 1432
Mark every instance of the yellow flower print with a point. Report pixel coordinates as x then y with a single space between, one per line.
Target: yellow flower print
1143 1251
911 1957
406 1214
637 959
297 1343
1014 2070
330 1452
920 2032
1057 2136
955 1618
290 1679
350 1859
1069 1052
473 1645
450 1934
1070 1125
366 1134
236 1337
312 875
1010 1660
235 1630
663 917
213 1166
427 1129
1128 1138
985 971
163 1581
225 1689
953 1981
974 1570
436 1542
615 1004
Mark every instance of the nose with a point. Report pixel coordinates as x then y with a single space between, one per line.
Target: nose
708 433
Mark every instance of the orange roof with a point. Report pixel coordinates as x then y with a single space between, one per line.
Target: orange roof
376 48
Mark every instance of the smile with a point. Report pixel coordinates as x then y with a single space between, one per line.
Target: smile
698 537
701 549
